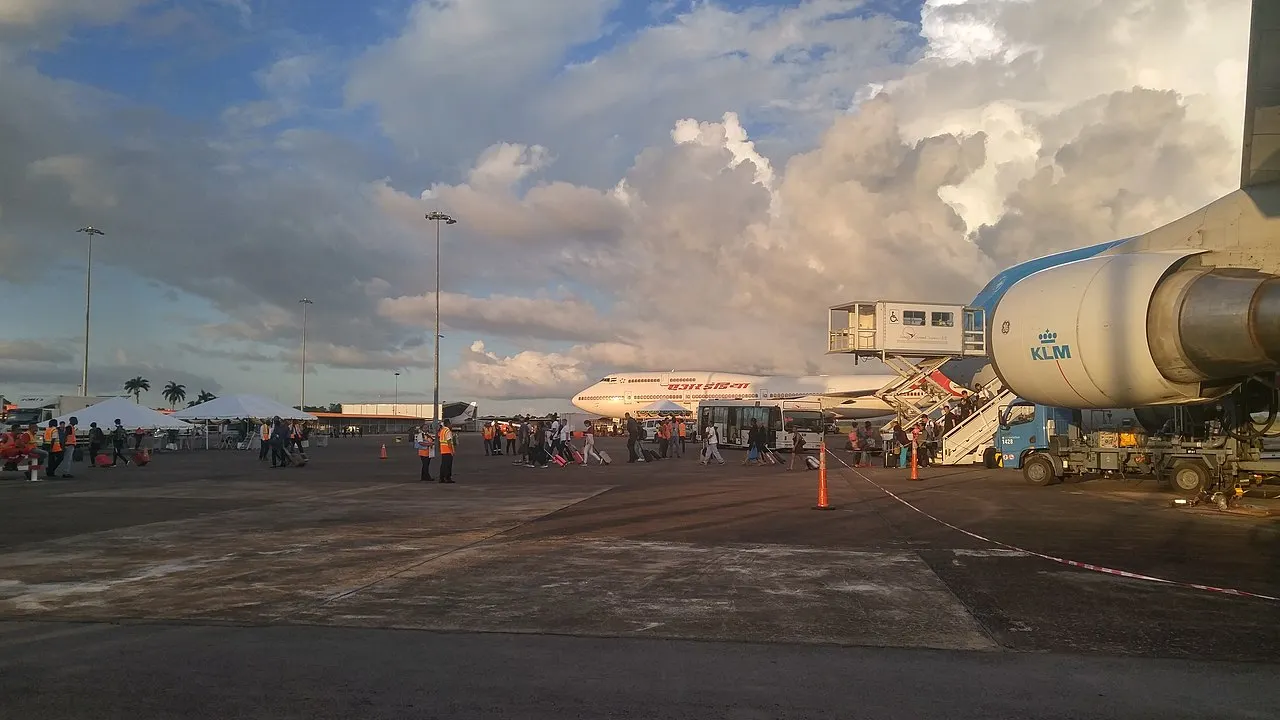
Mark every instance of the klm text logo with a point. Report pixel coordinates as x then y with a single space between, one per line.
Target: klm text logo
1048 349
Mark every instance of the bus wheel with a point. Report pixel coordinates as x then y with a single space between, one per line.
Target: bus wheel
1190 478
990 459
1038 470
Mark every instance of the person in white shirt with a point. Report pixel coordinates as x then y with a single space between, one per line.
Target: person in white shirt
589 444
711 450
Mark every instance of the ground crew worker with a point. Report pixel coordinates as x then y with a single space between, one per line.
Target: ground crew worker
53 440
511 438
69 442
445 441
264 435
488 438
35 440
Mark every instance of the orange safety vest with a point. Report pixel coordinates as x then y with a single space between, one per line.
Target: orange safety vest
425 450
446 441
71 435
51 439
488 432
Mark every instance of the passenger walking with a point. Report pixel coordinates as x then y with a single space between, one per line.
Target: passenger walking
425 442
119 440
797 446
634 435
589 444
709 449
97 439
280 444
444 439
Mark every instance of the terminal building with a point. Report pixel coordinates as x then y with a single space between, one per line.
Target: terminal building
392 418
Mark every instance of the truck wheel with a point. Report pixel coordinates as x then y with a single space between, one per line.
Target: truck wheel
1190 478
989 459
1038 470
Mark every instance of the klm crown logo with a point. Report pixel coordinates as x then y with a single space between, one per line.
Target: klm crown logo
1049 349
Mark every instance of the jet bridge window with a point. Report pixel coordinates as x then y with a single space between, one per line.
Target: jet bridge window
943 319
913 317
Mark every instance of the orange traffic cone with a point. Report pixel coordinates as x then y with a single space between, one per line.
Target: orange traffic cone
822 477
383 455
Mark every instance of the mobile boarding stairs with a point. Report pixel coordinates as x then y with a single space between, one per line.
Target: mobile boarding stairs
916 340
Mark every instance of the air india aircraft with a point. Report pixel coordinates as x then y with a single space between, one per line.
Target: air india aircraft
848 396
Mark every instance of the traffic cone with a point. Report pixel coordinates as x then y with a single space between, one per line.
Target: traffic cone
383 455
915 472
822 477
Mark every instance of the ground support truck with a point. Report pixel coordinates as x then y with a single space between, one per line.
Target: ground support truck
1048 445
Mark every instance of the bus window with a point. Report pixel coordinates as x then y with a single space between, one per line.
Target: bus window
913 317
803 420
943 319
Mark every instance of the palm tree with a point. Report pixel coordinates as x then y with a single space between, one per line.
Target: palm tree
136 387
174 393
205 396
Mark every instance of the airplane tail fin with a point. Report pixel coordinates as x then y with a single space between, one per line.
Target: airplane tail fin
1261 160
946 383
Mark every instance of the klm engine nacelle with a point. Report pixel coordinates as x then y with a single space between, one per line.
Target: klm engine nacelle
1136 329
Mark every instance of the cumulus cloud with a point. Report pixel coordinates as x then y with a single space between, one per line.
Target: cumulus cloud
525 375
694 196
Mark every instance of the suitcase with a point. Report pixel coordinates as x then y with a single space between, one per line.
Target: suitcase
604 458
577 457
558 460
298 458
649 455
811 462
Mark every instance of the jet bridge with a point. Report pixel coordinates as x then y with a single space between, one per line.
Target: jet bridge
915 340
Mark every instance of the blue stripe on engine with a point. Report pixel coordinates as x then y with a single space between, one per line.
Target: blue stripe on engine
990 295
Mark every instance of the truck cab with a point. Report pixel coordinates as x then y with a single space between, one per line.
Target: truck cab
1026 427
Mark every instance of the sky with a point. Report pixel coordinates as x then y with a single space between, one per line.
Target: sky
637 184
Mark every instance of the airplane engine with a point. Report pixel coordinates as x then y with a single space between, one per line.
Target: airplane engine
1133 330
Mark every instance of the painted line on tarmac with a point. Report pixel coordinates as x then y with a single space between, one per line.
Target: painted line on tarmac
1061 561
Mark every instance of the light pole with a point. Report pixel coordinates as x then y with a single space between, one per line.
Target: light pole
88 288
302 400
438 217
395 403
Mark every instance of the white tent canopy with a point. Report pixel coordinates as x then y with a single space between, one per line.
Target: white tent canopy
664 407
127 412
233 407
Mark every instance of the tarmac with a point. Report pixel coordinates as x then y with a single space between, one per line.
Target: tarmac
209 585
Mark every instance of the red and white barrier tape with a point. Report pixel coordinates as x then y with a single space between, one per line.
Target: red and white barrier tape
1051 558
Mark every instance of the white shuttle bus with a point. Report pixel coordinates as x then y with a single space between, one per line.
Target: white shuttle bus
732 419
